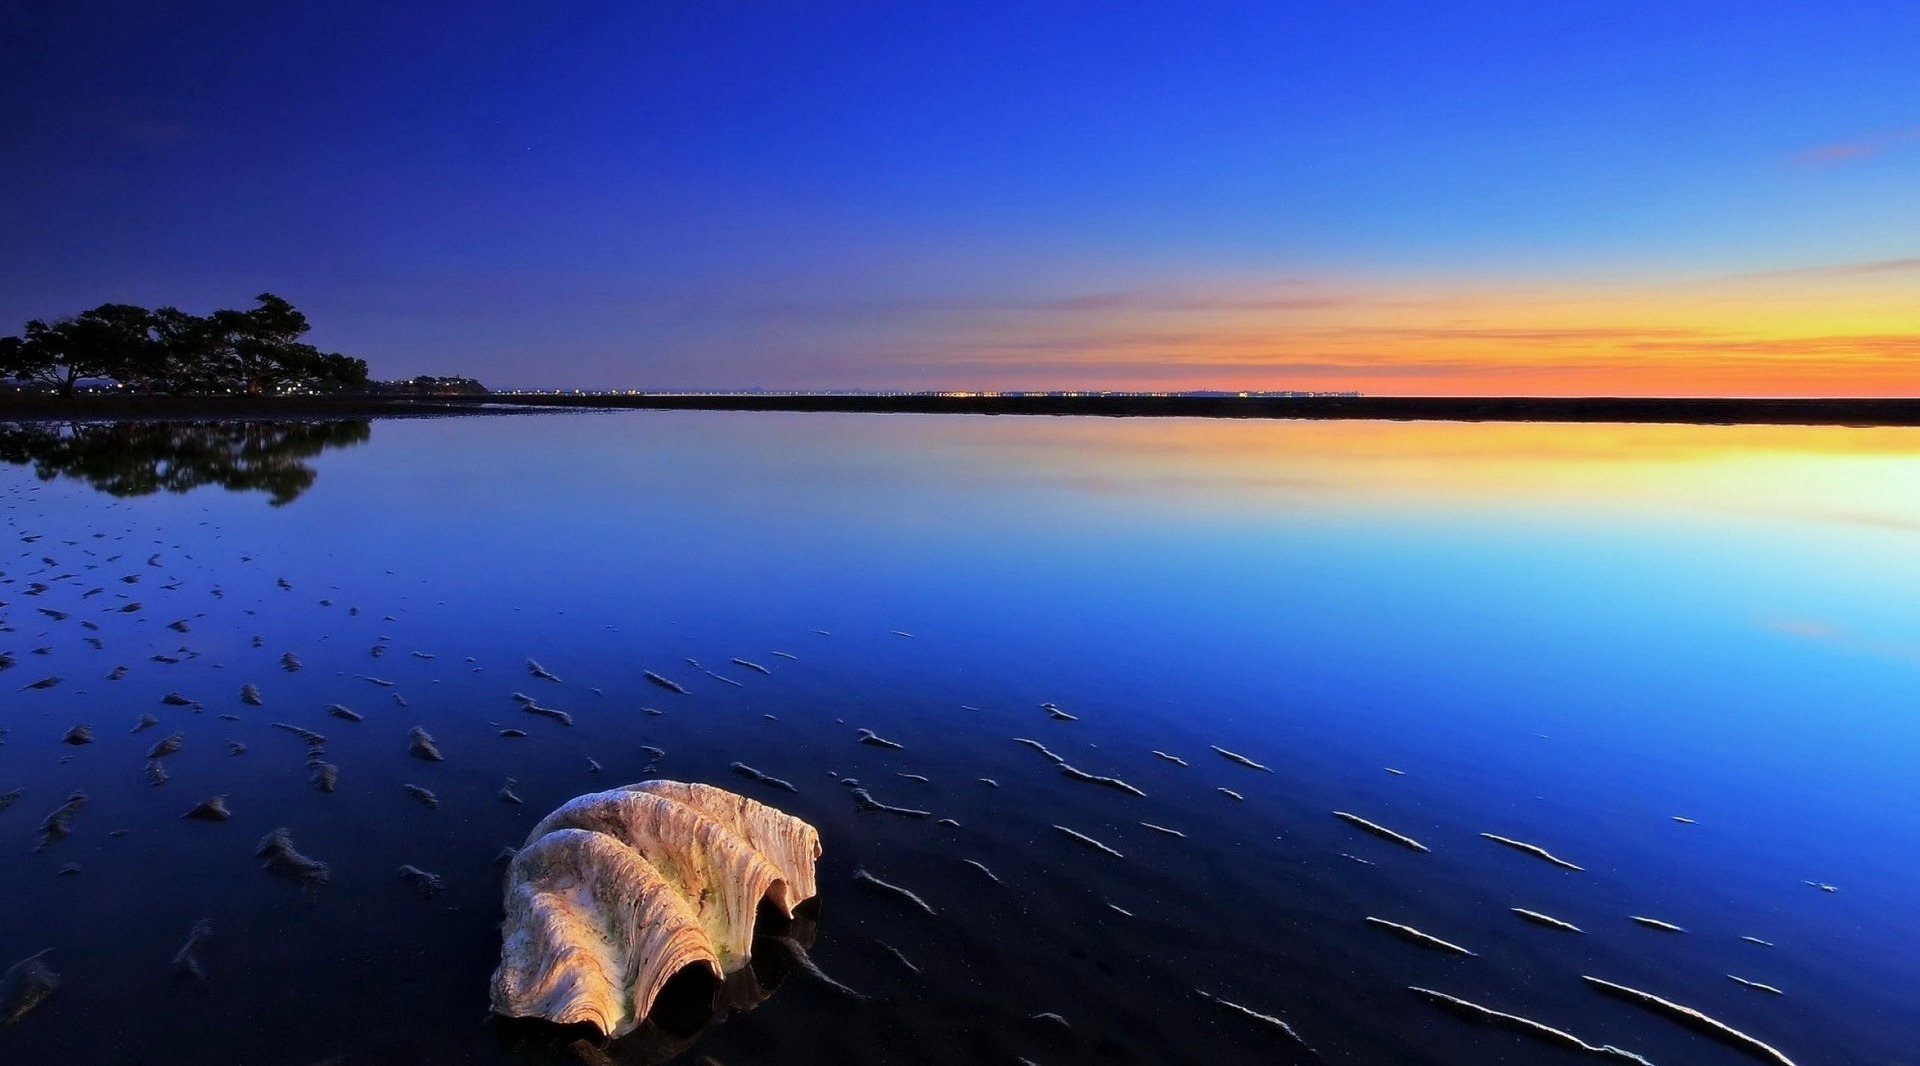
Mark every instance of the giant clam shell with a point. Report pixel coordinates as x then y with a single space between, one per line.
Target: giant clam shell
616 892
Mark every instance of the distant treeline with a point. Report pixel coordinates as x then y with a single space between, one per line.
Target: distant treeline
428 385
167 350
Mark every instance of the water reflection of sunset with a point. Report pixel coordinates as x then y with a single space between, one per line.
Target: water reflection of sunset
946 468
1871 474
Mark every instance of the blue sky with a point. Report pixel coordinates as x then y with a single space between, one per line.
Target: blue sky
882 194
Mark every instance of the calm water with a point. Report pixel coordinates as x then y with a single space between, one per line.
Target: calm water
1564 635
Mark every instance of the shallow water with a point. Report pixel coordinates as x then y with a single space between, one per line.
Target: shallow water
1564 635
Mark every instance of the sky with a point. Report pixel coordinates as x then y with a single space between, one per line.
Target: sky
1628 198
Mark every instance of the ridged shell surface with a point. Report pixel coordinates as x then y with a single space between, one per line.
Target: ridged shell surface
615 892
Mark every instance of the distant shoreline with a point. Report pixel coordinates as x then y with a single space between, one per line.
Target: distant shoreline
123 408
1808 412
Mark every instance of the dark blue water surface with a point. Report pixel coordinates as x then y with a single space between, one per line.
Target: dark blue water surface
1564 635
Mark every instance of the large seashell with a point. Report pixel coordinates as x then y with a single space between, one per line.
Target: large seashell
616 892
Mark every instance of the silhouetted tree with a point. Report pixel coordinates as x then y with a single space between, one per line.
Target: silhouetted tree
173 358
90 344
259 350
333 372
168 350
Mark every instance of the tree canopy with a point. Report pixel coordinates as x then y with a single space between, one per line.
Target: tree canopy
256 351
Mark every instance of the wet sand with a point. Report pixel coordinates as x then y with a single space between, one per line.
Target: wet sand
1229 932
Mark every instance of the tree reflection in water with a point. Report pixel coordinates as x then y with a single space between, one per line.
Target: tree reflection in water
142 458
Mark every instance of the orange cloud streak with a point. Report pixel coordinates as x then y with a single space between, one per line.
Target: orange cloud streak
1847 329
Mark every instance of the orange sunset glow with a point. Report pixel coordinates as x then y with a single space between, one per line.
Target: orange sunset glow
1847 330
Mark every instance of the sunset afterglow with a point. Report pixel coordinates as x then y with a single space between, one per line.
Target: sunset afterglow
1702 198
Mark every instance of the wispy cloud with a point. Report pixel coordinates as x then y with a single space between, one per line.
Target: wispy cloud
1670 360
1102 302
1577 336
1889 346
1160 301
1364 349
1837 153
1853 335
1908 265
1860 148
1164 339
1079 365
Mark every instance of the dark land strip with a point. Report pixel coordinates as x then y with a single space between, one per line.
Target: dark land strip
1717 411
